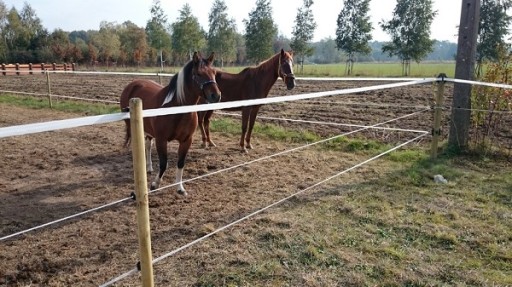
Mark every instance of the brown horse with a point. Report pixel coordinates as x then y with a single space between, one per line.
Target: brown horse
250 83
194 81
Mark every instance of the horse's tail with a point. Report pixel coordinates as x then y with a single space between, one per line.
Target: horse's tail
124 103
127 136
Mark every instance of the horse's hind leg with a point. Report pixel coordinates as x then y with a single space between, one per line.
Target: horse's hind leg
206 128
161 148
252 120
245 119
182 155
149 162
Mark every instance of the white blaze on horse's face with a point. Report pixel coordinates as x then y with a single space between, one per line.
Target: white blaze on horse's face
289 78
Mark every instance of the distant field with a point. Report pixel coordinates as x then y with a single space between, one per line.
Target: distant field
360 70
379 70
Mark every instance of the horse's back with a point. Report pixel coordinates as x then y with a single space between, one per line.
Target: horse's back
235 87
143 89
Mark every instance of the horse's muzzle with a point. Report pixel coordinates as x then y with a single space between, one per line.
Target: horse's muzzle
290 83
213 98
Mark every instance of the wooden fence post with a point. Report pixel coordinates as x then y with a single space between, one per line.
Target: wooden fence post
49 89
436 130
17 69
3 69
141 190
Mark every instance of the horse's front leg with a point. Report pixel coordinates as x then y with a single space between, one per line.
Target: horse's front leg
183 148
149 162
161 148
252 120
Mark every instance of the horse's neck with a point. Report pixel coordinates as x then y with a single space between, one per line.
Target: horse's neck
172 97
269 67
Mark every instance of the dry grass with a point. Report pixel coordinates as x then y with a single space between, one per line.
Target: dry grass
395 228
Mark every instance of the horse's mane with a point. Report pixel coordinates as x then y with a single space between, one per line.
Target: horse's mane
177 85
269 61
266 64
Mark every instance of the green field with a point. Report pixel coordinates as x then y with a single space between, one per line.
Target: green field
372 70
390 69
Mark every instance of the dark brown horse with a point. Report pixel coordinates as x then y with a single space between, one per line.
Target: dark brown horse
194 81
250 83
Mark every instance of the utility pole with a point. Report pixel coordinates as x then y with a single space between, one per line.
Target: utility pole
464 70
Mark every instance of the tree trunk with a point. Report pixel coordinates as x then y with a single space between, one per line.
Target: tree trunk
464 69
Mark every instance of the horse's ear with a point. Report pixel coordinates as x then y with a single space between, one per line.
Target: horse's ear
195 58
282 52
210 59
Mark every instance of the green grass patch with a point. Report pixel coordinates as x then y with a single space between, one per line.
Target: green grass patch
276 132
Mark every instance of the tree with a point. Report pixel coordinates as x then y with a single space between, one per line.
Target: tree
410 32
108 43
158 37
353 30
20 33
3 24
493 27
187 35
326 52
133 43
303 32
281 42
260 31
222 33
59 44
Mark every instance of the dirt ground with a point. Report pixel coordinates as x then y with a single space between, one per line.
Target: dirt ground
49 176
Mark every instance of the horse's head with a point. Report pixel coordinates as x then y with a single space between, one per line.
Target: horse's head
203 74
286 69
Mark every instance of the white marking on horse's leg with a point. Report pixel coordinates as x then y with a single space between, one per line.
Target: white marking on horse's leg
149 163
156 182
179 181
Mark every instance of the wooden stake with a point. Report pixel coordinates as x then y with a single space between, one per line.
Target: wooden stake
49 88
436 131
141 191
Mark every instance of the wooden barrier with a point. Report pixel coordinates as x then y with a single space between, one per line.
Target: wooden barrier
30 69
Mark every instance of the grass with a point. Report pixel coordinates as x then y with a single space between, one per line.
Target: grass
392 230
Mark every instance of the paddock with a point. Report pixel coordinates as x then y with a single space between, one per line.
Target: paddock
52 175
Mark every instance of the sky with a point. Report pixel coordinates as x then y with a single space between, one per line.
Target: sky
70 15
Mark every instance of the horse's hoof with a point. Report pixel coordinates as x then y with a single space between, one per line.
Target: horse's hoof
212 144
153 186
182 192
